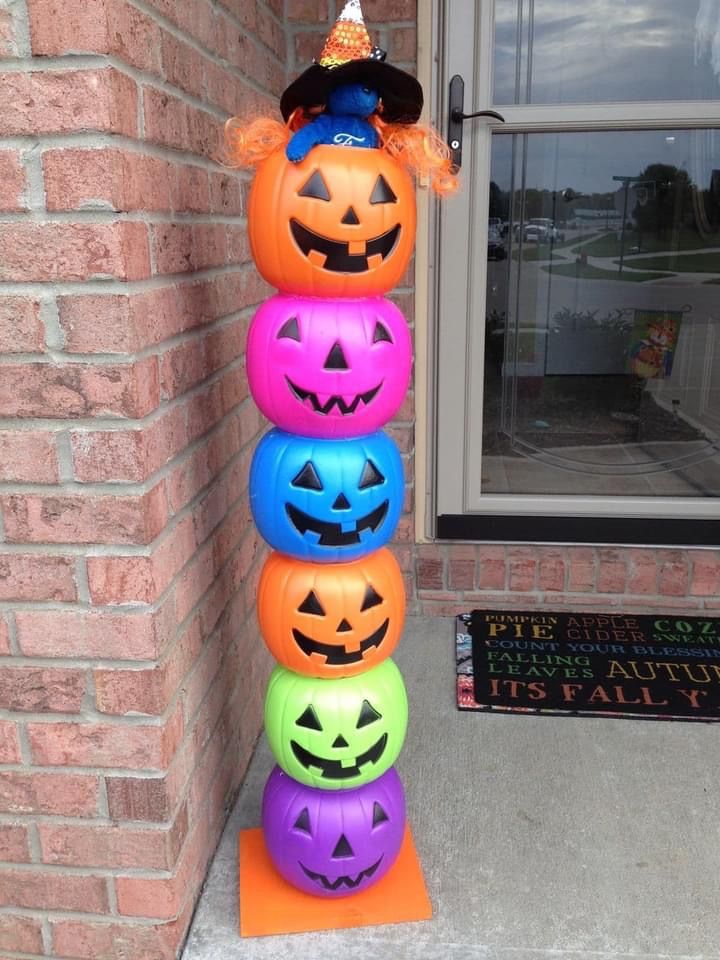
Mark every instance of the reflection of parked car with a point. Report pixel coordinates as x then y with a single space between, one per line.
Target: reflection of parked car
548 230
539 230
496 245
530 233
535 234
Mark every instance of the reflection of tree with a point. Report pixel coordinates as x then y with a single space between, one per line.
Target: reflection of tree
499 202
557 205
707 213
667 203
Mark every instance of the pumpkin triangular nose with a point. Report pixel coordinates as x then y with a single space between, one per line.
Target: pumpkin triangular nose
343 626
342 848
350 216
336 359
340 741
341 502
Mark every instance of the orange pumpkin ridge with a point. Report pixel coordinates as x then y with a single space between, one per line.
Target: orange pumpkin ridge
331 620
341 223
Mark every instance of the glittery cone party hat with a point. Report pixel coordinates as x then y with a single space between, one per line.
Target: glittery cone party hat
349 56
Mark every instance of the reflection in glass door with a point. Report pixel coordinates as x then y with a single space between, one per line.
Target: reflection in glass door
602 305
579 272
609 51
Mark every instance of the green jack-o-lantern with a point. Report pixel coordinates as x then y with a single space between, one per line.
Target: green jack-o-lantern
336 734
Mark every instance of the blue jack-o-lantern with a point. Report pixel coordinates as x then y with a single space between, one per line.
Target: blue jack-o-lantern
326 500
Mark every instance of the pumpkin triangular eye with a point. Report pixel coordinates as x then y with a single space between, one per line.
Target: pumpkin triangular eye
315 188
342 850
303 821
379 815
311 604
371 476
372 598
381 333
335 360
382 192
308 719
368 715
307 479
289 330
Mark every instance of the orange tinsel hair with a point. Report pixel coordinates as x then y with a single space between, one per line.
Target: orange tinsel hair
249 142
418 147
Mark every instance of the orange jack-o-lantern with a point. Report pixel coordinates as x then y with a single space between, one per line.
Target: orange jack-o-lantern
339 224
331 620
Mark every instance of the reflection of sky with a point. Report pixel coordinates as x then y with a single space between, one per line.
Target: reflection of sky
587 162
614 50
707 33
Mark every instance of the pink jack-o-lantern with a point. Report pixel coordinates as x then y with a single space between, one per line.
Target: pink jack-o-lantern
328 368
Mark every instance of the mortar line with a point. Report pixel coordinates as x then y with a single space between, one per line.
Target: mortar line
114 285
124 359
104 215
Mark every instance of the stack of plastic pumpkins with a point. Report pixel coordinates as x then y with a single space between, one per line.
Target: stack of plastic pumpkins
328 362
331 221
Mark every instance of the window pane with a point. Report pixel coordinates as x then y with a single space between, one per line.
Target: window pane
559 51
602 361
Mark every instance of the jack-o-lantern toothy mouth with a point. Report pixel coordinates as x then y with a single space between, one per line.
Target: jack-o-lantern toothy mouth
335 401
332 534
334 769
338 258
346 881
338 654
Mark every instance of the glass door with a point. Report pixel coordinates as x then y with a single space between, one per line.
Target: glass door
579 282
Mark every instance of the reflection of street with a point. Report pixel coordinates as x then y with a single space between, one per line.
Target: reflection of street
621 452
542 294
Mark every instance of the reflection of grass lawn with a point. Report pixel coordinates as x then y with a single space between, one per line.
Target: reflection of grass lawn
585 271
542 252
572 241
688 263
608 245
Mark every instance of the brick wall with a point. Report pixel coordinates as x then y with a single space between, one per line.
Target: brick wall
131 676
455 578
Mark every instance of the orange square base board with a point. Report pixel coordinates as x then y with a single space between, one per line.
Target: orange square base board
270 905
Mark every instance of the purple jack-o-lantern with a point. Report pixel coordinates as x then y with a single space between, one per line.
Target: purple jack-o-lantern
332 843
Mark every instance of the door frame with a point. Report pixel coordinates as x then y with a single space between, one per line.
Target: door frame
450 339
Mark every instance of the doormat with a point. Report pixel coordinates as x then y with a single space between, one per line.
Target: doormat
587 664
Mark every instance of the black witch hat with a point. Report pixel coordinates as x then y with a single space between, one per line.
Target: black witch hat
349 57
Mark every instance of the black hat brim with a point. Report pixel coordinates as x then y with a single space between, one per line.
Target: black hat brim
401 94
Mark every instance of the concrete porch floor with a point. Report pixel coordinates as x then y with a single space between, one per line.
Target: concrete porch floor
541 838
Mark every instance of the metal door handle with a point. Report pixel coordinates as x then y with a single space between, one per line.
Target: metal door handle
457 116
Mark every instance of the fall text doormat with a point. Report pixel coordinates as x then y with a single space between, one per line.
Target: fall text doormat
653 667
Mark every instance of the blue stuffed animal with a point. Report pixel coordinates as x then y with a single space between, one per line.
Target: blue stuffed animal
343 123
